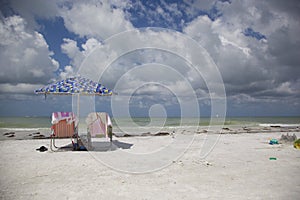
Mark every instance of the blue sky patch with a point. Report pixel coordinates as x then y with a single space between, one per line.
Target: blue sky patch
249 32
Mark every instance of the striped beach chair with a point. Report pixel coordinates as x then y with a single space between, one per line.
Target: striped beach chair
64 126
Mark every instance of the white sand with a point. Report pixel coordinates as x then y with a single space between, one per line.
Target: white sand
237 168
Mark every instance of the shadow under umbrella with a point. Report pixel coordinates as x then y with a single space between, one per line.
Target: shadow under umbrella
110 146
100 146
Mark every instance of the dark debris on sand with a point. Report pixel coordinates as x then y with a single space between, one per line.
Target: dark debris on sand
288 138
161 133
39 137
9 134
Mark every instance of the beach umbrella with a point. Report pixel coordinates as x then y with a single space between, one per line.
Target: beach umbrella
75 86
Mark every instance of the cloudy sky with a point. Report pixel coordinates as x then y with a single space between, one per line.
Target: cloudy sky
163 57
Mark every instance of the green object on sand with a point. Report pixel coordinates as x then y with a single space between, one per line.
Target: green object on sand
272 158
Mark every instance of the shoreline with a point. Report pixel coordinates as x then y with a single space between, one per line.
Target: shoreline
44 133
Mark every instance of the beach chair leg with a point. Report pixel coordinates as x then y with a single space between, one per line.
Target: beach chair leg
54 143
51 144
109 130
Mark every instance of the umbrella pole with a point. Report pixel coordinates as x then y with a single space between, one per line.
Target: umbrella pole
78 110
78 117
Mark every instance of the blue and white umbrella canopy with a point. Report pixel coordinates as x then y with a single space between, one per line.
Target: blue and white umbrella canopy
75 85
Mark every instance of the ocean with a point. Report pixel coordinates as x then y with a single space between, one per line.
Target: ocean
45 122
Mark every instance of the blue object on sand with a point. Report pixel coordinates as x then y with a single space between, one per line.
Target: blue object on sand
273 141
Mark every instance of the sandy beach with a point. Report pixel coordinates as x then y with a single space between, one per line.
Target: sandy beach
237 167
149 100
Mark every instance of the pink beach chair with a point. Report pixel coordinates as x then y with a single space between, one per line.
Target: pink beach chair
98 123
64 126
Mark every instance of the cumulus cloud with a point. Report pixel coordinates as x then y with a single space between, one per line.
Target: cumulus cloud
94 19
67 72
252 67
30 10
70 48
25 57
136 49
153 66
77 56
